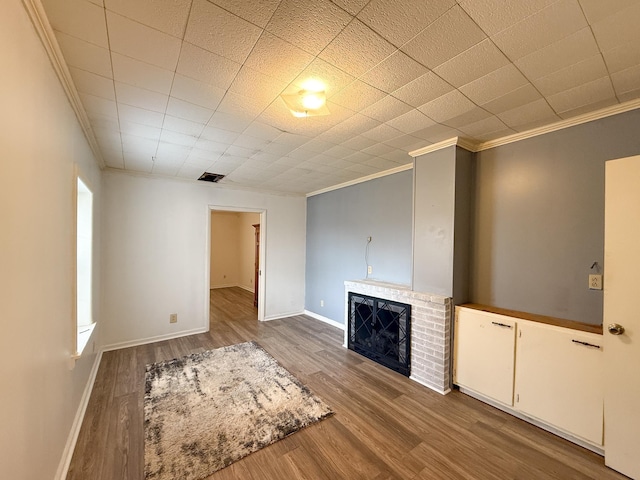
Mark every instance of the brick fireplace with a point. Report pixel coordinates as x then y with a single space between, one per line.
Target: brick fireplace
430 329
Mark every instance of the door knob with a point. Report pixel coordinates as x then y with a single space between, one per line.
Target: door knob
615 329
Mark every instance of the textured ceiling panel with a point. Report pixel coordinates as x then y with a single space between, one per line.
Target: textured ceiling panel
174 87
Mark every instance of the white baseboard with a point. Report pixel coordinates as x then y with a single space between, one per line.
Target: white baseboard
282 315
159 338
326 320
70 446
248 289
431 387
226 285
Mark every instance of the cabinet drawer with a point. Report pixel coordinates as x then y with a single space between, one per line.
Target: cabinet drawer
484 346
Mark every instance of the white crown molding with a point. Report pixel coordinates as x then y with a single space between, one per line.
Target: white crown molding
561 125
440 145
373 176
47 37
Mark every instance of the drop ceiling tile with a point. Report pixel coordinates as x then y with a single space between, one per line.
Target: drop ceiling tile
167 169
173 138
351 6
206 67
142 43
475 115
278 59
139 130
235 123
402 157
292 139
626 80
394 72
195 91
168 152
357 124
411 121
143 147
188 111
574 75
481 129
181 125
379 149
263 131
332 77
219 135
339 151
583 95
357 49
494 85
522 117
99 105
101 121
218 31
211 146
310 25
568 51
128 113
406 143
278 149
357 96
451 34
79 19
386 109
596 10
137 163
358 142
169 16
382 133
243 106
113 159
437 133
401 20
448 106
553 23
85 55
248 141
618 29
472 64
493 16
423 89
622 57
520 96
246 84
141 98
108 138
257 12
627 97
139 74
87 82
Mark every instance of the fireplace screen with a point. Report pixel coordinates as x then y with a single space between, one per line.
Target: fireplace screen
380 330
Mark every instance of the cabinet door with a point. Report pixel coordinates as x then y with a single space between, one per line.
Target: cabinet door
559 375
483 353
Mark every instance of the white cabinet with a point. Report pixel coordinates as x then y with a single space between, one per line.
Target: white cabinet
559 378
550 375
484 353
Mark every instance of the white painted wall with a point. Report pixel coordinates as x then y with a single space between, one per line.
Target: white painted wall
225 249
156 253
40 140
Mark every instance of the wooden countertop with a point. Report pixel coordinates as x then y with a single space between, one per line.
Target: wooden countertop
558 322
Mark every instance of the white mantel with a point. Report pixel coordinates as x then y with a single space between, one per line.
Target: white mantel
430 329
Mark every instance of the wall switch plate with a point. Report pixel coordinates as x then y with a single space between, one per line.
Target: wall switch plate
595 282
173 318
369 269
322 303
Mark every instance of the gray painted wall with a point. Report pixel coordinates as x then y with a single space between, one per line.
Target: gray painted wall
539 218
338 224
464 196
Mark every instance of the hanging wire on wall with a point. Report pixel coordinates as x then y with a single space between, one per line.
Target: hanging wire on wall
366 257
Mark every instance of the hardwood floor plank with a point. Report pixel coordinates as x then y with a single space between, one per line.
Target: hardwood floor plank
385 426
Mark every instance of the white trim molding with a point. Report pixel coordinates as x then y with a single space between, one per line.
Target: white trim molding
373 176
65 461
326 320
158 338
39 19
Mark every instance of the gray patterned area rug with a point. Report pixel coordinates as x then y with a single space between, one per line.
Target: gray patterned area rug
207 410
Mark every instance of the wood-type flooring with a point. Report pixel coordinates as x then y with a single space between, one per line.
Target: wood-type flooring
385 426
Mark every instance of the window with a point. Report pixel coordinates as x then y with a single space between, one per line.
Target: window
84 266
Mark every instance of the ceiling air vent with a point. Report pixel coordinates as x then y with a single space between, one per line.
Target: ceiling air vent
211 177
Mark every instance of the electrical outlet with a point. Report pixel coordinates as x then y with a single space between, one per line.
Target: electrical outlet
369 269
595 282
173 318
368 239
322 303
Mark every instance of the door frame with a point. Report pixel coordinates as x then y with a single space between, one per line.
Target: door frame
261 261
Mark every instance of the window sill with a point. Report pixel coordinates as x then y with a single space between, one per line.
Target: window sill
84 334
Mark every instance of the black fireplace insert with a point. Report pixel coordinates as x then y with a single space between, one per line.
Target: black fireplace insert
380 330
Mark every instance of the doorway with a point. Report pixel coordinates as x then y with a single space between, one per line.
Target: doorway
236 252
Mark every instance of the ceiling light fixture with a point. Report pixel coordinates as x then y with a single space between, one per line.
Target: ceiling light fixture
308 102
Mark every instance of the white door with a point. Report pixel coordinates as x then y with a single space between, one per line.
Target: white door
621 292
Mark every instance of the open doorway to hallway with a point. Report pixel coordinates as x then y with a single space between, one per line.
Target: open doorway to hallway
234 263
